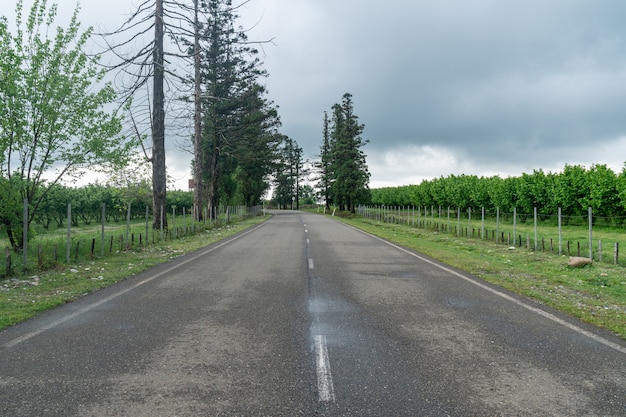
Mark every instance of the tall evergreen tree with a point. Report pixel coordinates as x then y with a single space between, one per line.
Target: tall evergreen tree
348 163
256 147
323 166
233 106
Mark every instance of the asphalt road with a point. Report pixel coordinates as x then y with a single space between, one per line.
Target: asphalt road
304 316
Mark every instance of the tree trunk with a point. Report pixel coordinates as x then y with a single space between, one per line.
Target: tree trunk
159 176
198 189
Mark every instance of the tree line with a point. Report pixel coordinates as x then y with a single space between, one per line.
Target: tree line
200 54
574 190
197 72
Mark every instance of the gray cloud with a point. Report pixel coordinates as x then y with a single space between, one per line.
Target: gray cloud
485 78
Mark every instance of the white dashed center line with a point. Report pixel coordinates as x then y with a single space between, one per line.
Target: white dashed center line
325 388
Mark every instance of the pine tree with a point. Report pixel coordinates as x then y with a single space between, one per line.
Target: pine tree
256 147
234 106
348 164
325 176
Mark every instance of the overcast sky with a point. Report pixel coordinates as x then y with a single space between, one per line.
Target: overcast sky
485 87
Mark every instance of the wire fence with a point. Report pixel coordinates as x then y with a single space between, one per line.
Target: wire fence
46 249
593 237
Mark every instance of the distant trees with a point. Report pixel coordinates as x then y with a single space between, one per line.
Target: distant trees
288 175
574 190
51 112
343 172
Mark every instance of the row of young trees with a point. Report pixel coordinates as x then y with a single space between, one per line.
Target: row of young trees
574 190
343 174
86 204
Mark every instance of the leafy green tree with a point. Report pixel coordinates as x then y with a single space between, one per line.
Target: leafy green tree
52 117
180 199
621 194
53 207
458 190
603 197
571 189
348 165
533 190
501 194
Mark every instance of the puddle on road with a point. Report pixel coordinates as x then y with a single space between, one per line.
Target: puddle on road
327 305
334 319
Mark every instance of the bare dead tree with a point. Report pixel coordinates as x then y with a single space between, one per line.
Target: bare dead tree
198 198
140 66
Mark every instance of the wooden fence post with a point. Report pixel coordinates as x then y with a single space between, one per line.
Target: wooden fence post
7 255
77 246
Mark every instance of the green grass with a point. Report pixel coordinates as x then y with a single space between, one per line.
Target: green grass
576 233
47 249
24 297
595 294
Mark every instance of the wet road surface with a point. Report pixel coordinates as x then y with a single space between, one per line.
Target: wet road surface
304 316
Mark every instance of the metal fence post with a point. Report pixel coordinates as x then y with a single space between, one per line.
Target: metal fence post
560 234
590 233
535 217
68 245
102 237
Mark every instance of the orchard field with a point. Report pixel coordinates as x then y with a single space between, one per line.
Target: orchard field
74 225
573 190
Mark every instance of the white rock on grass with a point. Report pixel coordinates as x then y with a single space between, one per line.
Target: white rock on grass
578 261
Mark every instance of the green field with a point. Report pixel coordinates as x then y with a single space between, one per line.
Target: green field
24 296
574 237
50 248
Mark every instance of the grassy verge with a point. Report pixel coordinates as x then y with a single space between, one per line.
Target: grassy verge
23 298
595 294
